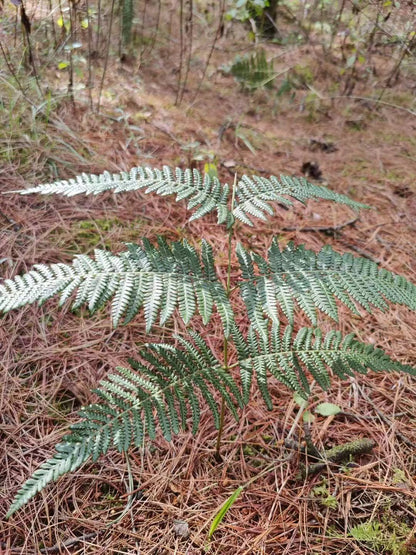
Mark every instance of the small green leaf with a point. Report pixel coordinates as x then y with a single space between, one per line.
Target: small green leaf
64 24
299 400
223 511
63 65
327 409
211 169
308 417
351 60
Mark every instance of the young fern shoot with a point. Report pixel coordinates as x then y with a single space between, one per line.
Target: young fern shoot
164 386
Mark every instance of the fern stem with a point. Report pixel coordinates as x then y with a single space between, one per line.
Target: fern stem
222 413
225 347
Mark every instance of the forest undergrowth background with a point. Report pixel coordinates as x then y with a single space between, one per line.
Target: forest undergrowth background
83 90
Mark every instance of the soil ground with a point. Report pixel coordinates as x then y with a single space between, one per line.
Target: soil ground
52 359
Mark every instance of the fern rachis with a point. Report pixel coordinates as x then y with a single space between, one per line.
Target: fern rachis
166 384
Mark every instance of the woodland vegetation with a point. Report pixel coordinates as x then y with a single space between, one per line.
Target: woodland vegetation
239 378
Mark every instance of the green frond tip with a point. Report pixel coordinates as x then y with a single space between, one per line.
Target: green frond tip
316 281
160 278
254 195
160 389
68 458
292 359
204 192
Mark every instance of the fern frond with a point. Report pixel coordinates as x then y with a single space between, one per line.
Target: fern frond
254 195
288 358
253 71
204 192
158 278
159 390
316 281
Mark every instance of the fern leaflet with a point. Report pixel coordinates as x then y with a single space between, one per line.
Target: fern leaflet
254 72
158 278
254 194
204 193
288 358
316 281
160 389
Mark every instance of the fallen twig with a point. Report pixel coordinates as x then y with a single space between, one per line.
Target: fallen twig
323 229
69 543
336 454
375 485
54 548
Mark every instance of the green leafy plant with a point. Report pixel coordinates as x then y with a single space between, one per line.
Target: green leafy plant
253 71
127 17
387 536
260 14
166 384
324 496
242 10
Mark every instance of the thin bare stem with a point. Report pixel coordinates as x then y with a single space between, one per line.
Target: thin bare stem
89 85
218 33
106 55
225 346
181 48
189 35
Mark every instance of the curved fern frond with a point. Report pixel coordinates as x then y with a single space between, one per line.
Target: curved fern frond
254 195
158 278
159 390
288 358
205 193
295 275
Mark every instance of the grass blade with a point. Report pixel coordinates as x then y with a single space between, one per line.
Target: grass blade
223 511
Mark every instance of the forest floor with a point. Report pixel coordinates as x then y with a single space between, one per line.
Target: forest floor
52 359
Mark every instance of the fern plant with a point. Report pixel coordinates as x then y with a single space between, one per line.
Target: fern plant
165 385
253 71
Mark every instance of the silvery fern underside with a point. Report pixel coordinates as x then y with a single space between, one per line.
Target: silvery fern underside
159 279
161 390
204 193
295 276
167 386
173 276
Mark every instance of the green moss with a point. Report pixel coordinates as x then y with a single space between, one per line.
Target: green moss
385 536
249 451
86 235
324 497
59 409
399 477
